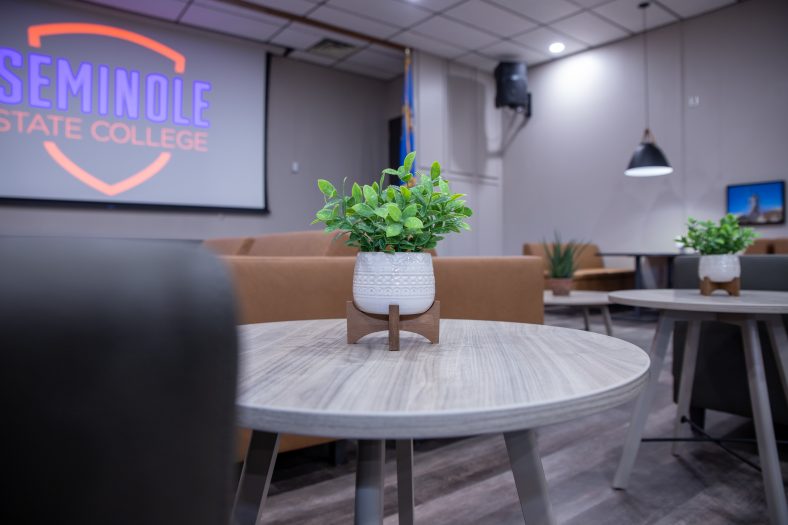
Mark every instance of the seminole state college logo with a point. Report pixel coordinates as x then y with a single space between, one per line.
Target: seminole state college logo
118 105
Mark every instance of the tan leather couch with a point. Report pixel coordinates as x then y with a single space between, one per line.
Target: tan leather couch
763 246
300 285
591 273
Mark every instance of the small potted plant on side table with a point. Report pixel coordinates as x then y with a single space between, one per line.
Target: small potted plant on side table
562 261
719 246
392 227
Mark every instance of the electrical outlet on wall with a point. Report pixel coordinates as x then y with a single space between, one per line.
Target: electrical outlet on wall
693 101
295 167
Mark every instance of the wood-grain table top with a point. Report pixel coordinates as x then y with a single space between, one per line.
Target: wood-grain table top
576 298
301 377
749 302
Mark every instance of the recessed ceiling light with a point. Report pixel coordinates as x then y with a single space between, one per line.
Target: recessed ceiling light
556 47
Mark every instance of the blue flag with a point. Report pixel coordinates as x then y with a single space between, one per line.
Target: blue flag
407 141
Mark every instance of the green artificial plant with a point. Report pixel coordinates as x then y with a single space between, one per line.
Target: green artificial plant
562 257
710 238
408 218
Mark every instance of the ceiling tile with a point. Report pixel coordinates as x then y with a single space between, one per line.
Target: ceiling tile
477 61
224 7
165 9
627 14
455 33
487 16
299 7
508 50
248 27
295 38
320 34
309 57
365 70
591 3
428 45
543 11
589 28
686 9
368 57
432 5
541 38
399 54
353 22
388 11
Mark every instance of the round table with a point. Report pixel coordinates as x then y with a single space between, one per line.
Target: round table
585 299
745 311
302 377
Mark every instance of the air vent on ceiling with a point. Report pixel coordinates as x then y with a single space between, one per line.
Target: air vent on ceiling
332 48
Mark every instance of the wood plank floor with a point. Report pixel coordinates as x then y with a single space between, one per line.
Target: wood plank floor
468 480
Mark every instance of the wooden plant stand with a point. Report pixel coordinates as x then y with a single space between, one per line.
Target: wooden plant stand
731 287
361 323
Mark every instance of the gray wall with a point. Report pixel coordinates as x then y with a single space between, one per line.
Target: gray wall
332 123
458 125
564 171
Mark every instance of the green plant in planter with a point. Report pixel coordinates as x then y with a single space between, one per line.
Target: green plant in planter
710 238
408 218
561 257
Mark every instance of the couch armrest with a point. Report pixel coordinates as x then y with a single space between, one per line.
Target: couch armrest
490 288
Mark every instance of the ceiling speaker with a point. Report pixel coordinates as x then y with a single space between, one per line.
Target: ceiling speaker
511 86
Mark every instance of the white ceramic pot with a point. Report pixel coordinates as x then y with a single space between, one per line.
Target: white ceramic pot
405 279
719 268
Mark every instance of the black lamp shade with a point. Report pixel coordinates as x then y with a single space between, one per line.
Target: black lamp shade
648 161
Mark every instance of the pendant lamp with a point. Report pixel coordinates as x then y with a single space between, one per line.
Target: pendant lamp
648 160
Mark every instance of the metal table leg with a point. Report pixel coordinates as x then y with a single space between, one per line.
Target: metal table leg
779 340
762 415
586 319
659 347
608 321
369 482
529 477
405 500
255 478
687 379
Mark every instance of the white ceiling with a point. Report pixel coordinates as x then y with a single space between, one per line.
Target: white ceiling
478 33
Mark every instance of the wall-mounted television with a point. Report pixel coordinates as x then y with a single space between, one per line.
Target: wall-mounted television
102 108
757 203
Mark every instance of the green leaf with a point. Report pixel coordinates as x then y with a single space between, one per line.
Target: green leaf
324 214
392 230
409 211
382 212
364 210
408 162
370 195
390 193
326 188
435 170
389 171
358 195
394 212
413 223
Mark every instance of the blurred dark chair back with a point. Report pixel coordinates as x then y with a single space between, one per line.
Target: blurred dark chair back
117 378
720 374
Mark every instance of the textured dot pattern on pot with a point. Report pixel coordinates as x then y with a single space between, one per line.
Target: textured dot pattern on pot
719 268
403 278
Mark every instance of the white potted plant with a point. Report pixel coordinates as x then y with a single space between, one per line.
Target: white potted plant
392 228
719 246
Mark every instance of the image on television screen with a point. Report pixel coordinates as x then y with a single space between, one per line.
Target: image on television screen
758 203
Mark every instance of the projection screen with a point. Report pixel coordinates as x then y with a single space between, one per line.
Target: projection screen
97 107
